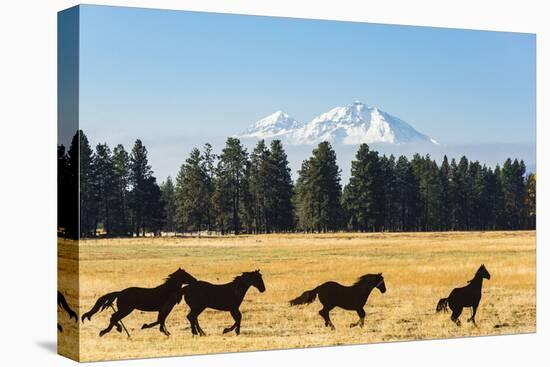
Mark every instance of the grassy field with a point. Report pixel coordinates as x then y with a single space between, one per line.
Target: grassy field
419 269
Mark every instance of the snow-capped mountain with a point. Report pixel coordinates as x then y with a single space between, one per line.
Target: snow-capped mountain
353 124
274 125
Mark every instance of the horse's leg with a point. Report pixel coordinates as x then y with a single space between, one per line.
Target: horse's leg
238 321
148 326
158 322
194 318
201 331
162 316
457 310
361 313
236 314
191 318
152 324
325 314
330 322
115 318
474 310
163 328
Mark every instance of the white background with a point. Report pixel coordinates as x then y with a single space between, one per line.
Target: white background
28 181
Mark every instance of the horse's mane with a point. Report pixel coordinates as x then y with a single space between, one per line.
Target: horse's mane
367 277
172 278
476 275
240 277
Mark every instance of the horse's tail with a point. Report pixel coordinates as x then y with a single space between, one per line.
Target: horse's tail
102 303
305 298
442 305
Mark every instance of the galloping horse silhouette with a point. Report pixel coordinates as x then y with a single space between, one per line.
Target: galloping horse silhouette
353 298
468 296
223 297
144 299
61 301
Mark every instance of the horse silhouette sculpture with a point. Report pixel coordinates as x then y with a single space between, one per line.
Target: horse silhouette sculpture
468 296
143 299
223 297
353 298
62 302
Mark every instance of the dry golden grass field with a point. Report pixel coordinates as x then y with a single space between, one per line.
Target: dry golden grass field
419 269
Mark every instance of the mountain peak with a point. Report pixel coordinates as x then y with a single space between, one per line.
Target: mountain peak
277 123
273 119
353 124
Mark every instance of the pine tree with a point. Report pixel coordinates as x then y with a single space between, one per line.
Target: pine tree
406 194
192 196
435 193
140 173
460 198
514 193
209 167
522 193
84 156
168 194
387 166
319 191
229 191
304 199
104 187
426 173
281 210
154 208
120 210
364 195
532 201
473 194
259 186
498 201
445 197
246 210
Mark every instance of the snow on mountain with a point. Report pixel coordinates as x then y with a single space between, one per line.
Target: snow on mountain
353 124
274 125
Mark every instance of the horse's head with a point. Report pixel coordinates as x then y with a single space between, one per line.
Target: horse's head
180 276
483 273
255 279
380 283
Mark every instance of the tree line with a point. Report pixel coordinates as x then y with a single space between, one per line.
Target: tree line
237 192
119 196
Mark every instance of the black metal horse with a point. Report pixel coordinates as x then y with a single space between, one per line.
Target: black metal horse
223 297
468 296
353 298
144 299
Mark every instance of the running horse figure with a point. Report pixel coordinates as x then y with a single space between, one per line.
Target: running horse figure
352 298
223 297
468 296
143 299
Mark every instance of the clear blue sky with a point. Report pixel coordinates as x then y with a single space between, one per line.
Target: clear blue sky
181 78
